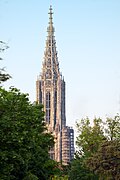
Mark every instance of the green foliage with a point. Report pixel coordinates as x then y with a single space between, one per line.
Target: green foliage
78 171
59 178
106 161
30 176
113 128
89 137
3 76
24 141
60 172
99 150
88 141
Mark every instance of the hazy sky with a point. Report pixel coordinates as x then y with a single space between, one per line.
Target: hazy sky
87 33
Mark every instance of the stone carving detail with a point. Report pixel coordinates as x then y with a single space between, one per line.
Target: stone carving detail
48 83
48 74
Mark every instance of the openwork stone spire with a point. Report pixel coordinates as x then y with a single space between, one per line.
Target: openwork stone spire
50 64
50 91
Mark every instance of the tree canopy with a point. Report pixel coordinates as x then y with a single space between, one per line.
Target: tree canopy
89 137
106 161
98 156
24 141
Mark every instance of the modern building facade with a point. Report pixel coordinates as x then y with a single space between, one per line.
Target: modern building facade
50 91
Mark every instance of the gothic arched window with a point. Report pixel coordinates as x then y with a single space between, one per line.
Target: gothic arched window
48 107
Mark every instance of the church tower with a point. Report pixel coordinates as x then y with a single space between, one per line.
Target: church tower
50 91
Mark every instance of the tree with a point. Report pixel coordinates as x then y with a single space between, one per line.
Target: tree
89 137
99 149
106 161
24 141
78 171
3 75
113 128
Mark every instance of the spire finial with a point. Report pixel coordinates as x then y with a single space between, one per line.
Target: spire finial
50 13
50 28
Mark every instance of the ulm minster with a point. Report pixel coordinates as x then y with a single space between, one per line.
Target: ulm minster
50 89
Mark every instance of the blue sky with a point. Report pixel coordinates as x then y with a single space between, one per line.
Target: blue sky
88 43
